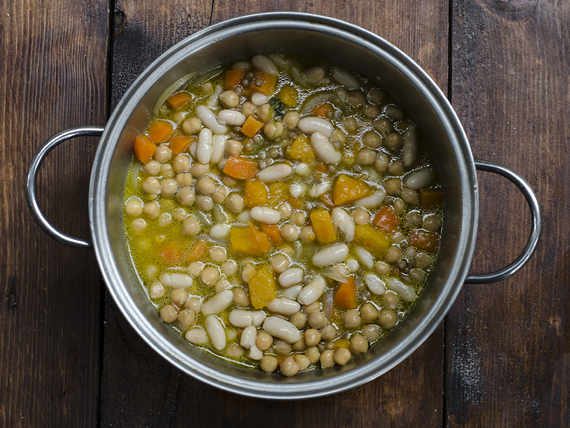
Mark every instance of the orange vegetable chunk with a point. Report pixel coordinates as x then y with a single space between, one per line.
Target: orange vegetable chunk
251 126
288 95
160 130
424 240
269 82
322 110
272 230
181 143
374 240
240 169
278 192
348 189
345 297
171 254
323 225
255 193
233 78
387 219
261 239
244 241
179 99
263 287
197 251
301 149
144 148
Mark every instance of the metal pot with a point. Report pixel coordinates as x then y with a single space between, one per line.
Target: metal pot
303 34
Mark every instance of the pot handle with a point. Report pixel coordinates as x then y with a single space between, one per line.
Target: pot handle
31 183
532 201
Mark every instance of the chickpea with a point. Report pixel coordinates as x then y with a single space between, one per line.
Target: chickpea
263 112
186 196
219 195
327 359
241 298
248 108
431 223
156 290
229 268
350 124
309 309
352 318
303 361
299 320
191 126
299 218
181 163
371 111
168 314
396 168
184 179
383 126
191 226
218 254
422 260
393 254
417 275
342 356
387 318
394 186
205 203
269 364
273 130
282 347
229 99
361 217
376 96
358 344
312 337
318 320
355 98
382 162
368 312
338 137
234 202
307 234
399 206
134 206
186 318
279 263
393 140
313 354
371 139
168 187
289 232
162 153
152 167
235 350
410 196
206 186
194 304
247 273
233 147
209 275
198 169
329 332
371 332
391 300
366 157
195 268
413 219
151 185
178 296
166 170
164 220
291 119
289 367
264 340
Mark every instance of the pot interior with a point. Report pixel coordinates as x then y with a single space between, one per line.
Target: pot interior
352 48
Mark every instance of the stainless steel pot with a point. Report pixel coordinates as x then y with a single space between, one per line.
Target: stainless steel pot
310 35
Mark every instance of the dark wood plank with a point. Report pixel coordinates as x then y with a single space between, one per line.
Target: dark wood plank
508 350
137 385
52 77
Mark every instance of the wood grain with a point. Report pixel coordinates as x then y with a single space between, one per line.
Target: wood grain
508 352
137 385
52 77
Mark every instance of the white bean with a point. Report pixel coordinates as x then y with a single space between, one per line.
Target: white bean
343 221
406 292
242 318
274 173
205 146
264 64
196 336
319 189
292 292
220 231
208 118
323 148
231 117
279 61
259 99
291 277
176 280
219 147
312 291
255 353
312 124
410 148
419 179
314 75
244 216
218 303
373 200
374 284
216 332
345 78
212 101
297 189
330 255
284 306
193 148
284 330
265 215
365 257
248 337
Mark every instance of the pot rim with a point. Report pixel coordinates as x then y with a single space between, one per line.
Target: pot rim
283 390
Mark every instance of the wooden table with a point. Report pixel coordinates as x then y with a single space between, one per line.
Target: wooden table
500 358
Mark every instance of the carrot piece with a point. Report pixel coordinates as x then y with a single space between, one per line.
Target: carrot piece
233 78
348 189
424 240
179 99
272 230
241 169
263 287
323 225
251 126
160 130
269 82
328 200
387 219
345 297
144 148
261 238
255 193
321 168
296 203
180 143
431 198
197 251
322 110
171 254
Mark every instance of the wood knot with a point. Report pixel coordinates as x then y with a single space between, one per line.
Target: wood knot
119 21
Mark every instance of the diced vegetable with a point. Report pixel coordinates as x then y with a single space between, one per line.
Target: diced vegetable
296 203
328 200
263 287
251 126
431 198
278 192
269 82
144 148
181 143
374 240
197 251
244 241
255 193
323 225
160 130
179 99
233 78
241 169
321 168
323 110
345 297
171 254
387 219
348 189
424 240
272 230
341 343
288 95
261 239
301 150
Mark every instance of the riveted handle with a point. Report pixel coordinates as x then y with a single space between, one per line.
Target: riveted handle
31 183
532 201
